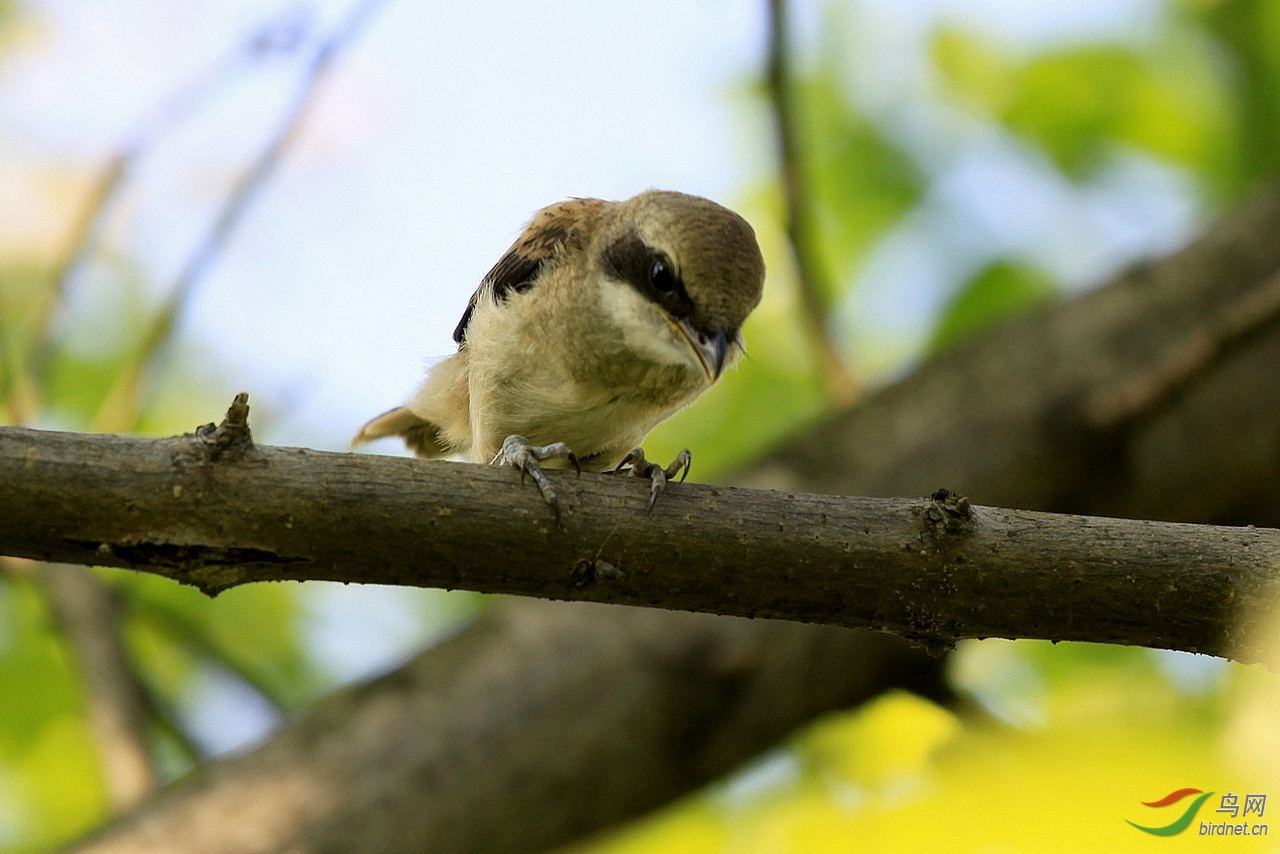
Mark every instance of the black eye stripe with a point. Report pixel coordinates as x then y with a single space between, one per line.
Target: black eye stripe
631 260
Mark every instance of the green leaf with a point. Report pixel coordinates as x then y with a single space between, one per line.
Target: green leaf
1076 104
861 181
1247 47
999 291
977 71
45 746
251 631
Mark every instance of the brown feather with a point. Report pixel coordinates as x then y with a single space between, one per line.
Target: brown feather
551 231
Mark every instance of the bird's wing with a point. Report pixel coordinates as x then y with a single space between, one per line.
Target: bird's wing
544 239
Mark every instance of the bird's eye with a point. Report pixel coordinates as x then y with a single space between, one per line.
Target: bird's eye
661 277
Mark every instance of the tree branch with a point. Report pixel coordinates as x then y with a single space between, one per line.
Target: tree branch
1025 416
935 570
811 277
116 702
1239 319
281 34
611 706
116 706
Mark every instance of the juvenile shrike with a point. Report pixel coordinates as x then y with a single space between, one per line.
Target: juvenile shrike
601 320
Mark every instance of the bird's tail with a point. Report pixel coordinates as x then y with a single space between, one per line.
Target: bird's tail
421 436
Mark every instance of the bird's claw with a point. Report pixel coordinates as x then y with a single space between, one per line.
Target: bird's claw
526 458
635 464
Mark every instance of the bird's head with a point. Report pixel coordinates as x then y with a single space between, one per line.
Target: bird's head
680 275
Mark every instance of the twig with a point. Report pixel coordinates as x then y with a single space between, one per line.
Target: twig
196 640
279 35
17 395
88 614
168 724
1152 389
123 400
117 705
232 439
811 278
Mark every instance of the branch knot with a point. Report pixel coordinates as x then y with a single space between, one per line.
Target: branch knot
948 512
231 440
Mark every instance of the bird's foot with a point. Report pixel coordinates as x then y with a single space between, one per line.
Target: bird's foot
525 458
636 465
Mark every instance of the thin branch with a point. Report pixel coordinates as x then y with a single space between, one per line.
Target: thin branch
88 614
196 640
934 569
122 403
169 724
1152 389
281 34
812 283
116 703
18 399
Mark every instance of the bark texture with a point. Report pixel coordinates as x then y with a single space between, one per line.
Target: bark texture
1153 397
523 747
935 569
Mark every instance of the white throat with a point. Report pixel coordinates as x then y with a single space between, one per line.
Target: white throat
644 326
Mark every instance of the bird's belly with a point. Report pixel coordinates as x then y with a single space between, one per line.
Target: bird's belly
600 416
600 433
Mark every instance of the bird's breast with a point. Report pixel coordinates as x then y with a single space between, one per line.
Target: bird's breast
577 383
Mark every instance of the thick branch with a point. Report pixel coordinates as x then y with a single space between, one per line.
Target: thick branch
610 706
932 569
1105 404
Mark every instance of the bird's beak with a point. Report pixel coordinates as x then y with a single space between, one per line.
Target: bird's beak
711 348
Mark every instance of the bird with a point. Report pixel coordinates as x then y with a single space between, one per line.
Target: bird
601 320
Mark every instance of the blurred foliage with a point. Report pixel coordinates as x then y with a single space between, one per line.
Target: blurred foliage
9 10
1245 35
862 182
1079 735
904 775
47 775
80 360
1078 103
1001 290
